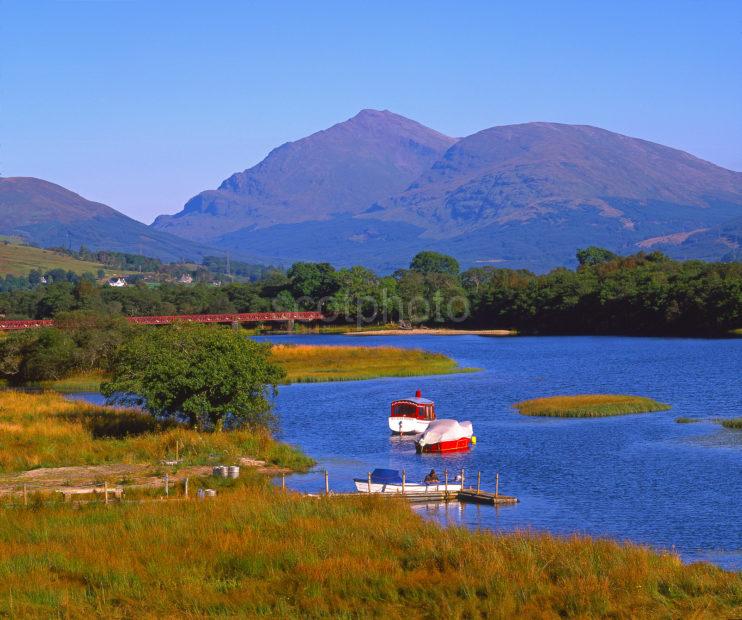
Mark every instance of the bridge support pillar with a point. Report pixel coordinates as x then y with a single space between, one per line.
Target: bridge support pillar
235 325
290 325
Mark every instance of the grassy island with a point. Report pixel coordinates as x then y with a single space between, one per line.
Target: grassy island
589 406
732 423
310 363
255 551
314 363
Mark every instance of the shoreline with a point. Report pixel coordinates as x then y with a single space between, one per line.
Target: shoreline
442 331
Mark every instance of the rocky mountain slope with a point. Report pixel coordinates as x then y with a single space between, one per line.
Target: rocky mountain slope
378 188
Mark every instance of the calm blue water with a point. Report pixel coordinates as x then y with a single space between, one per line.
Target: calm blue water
642 478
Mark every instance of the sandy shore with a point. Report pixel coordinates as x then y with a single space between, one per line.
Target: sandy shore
434 332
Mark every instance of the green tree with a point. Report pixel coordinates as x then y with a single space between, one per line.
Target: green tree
594 255
209 377
434 262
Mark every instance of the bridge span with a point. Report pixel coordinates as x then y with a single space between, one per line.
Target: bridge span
245 317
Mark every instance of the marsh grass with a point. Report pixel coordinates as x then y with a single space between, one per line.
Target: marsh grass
314 363
46 430
589 406
311 363
732 423
682 420
256 552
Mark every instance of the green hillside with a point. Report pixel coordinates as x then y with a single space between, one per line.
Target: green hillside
18 259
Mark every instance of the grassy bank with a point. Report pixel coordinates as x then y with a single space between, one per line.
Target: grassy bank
311 363
46 430
588 406
255 552
732 423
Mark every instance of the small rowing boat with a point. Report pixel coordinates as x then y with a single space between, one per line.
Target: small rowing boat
390 481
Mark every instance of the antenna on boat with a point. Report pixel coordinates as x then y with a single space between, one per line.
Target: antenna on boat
418 394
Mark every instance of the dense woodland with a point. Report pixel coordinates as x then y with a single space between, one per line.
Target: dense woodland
639 294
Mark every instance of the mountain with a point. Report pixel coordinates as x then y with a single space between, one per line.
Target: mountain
339 171
48 215
378 188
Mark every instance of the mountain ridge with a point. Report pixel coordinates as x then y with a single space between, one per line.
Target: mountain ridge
523 195
46 214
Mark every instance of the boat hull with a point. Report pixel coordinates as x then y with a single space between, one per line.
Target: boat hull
401 425
362 486
456 445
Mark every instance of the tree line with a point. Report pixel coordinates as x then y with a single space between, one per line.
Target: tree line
646 293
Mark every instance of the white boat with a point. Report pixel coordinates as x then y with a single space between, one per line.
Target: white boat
411 415
390 481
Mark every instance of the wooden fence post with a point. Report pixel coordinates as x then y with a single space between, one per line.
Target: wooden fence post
327 483
445 478
497 484
462 478
404 478
283 482
479 480
105 493
185 488
369 482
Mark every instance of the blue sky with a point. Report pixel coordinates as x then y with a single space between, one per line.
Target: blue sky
142 104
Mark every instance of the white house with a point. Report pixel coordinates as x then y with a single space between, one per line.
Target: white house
119 281
186 278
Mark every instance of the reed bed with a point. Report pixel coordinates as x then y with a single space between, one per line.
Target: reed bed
683 420
47 430
589 406
313 363
310 363
732 423
257 552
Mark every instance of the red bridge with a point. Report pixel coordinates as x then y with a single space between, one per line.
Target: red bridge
249 317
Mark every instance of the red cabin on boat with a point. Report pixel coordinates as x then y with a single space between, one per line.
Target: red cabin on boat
411 415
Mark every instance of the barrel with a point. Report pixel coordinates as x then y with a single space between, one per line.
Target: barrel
233 471
220 471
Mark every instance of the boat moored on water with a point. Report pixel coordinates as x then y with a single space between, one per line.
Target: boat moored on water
411 415
390 481
446 436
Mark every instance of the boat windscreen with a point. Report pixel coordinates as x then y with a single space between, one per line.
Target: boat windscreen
406 409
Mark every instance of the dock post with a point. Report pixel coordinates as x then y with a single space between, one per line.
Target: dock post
327 483
105 493
479 480
185 488
445 479
462 478
497 484
404 477
283 482
369 482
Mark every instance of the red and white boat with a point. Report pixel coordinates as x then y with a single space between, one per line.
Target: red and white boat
411 415
445 436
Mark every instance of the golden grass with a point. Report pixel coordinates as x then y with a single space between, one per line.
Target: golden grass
46 430
312 363
308 363
732 423
589 406
255 552
18 260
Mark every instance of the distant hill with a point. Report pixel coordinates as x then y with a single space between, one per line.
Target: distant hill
378 188
18 259
332 173
49 215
